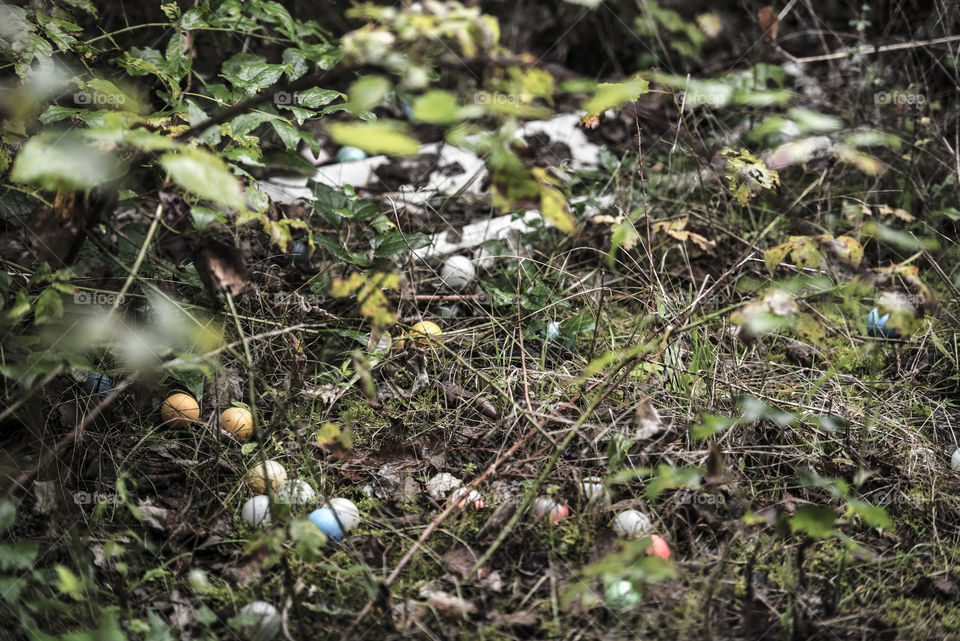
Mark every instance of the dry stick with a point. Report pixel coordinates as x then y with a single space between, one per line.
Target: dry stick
865 50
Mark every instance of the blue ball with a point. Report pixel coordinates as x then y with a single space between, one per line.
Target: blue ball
350 154
97 383
876 325
553 331
326 520
299 253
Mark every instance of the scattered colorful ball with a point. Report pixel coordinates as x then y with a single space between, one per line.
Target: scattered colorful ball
238 422
180 410
259 473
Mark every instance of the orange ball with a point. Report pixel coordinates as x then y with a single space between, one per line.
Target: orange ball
237 421
180 410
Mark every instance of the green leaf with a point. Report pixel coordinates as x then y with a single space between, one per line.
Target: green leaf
287 133
815 520
437 107
395 242
874 515
16 557
614 95
366 93
8 514
69 583
62 163
382 137
48 306
316 97
205 175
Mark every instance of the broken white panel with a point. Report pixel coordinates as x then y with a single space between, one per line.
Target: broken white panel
565 128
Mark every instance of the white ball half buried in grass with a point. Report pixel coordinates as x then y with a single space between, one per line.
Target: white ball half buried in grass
256 511
631 523
457 272
267 627
296 492
347 511
955 461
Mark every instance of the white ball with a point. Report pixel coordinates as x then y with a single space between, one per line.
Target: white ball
631 523
256 511
296 492
347 512
268 627
592 487
955 461
457 272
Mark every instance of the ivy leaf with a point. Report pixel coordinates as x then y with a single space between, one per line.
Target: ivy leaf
205 175
382 137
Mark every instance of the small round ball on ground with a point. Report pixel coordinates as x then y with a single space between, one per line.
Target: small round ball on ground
256 511
350 154
632 524
267 626
180 410
621 595
659 547
546 507
296 492
238 422
422 334
259 473
457 272
955 461
97 383
347 510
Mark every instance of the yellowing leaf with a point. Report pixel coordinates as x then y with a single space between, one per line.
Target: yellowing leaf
369 292
613 95
382 137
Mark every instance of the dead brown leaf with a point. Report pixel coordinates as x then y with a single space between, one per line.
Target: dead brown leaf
221 267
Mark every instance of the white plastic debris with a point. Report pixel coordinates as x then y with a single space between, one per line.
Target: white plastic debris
441 485
632 523
267 628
